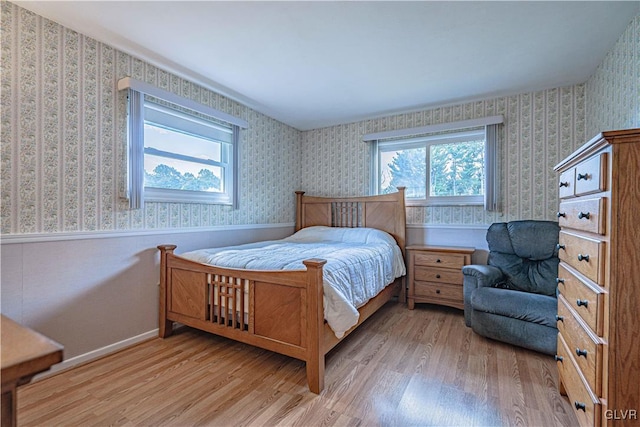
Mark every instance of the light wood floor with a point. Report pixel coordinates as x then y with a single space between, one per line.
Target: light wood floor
401 368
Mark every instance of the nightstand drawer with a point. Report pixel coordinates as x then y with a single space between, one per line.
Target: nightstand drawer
584 402
585 347
585 298
584 254
430 274
441 260
438 291
587 215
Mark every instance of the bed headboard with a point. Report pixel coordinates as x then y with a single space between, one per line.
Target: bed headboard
385 212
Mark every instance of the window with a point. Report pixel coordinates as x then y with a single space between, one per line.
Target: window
444 166
187 157
439 169
178 150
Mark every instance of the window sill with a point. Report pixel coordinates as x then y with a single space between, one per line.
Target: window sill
426 203
186 196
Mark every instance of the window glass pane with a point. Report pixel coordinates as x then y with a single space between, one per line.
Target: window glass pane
404 168
162 172
165 171
457 169
174 141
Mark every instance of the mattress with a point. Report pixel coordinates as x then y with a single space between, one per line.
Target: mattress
360 263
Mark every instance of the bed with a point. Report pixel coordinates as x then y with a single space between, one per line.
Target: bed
281 310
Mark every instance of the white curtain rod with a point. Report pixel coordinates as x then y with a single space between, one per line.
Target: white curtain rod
140 86
440 127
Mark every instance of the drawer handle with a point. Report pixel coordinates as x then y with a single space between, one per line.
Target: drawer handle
558 358
437 291
438 261
584 176
582 303
583 257
559 246
559 214
559 280
559 318
582 353
582 215
564 184
437 276
580 406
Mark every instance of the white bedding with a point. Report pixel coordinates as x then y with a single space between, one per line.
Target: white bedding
360 263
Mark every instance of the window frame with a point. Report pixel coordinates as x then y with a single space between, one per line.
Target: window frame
427 141
132 189
228 163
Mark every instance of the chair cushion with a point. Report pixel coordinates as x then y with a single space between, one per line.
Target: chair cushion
517 332
529 307
526 252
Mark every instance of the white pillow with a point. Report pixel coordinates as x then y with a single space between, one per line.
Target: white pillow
341 234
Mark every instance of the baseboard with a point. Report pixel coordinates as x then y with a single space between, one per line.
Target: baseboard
96 354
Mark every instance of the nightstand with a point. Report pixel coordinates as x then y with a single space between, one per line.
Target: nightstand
435 275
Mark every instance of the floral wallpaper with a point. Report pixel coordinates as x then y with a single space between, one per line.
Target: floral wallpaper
63 138
540 129
613 92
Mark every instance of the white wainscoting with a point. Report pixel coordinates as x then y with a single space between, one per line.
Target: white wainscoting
96 293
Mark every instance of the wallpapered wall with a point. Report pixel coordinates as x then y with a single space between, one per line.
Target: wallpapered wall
540 129
613 92
63 134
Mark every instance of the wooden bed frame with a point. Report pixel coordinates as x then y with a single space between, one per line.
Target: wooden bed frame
285 309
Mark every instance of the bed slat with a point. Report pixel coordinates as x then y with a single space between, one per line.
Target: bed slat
228 298
346 214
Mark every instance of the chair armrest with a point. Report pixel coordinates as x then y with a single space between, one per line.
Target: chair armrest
485 275
477 276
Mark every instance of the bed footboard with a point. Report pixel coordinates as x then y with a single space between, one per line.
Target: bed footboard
281 311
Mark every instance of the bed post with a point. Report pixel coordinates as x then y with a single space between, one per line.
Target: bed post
299 224
165 326
315 319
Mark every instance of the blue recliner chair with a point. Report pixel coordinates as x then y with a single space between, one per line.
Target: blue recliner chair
513 298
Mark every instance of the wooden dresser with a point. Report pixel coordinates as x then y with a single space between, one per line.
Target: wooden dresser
599 279
435 275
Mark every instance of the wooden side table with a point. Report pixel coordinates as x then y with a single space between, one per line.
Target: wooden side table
23 354
435 275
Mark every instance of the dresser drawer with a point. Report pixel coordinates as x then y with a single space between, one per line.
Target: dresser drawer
584 254
438 291
591 175
584 297
585 346
435 259
441 275
584 403
587 215
566 183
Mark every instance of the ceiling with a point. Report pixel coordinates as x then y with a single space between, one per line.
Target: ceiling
316 64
